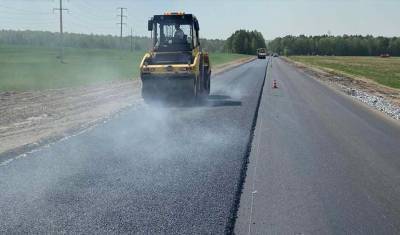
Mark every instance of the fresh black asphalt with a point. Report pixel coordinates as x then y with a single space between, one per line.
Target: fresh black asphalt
152 169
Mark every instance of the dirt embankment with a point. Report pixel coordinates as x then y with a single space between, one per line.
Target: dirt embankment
377 96
30 119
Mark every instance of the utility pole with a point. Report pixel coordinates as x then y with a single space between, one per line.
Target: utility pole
134 43
61 9
131 39
121 23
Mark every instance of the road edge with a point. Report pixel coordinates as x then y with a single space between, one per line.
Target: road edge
230 227
382 115
223 68
336 87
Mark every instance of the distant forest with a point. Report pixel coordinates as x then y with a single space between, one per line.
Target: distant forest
244 42
346 45
241 41
50 39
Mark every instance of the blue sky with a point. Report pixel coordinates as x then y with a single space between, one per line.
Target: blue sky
218 18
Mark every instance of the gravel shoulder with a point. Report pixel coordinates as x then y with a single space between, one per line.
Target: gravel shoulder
34 118
382 98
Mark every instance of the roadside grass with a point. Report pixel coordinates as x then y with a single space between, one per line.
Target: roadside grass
222 58
28 68
385 71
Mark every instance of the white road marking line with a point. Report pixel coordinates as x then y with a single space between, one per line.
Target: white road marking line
254 191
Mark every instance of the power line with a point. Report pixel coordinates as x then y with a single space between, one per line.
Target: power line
89 13
24 20
90 10
131 39
82 18
61 9
23 11
17 13
122 21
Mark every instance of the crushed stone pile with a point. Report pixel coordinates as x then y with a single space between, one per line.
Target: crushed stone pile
375 101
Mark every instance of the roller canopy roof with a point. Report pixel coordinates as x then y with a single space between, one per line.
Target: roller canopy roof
181 18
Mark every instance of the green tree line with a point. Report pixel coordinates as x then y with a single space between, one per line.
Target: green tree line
50 39
346 45
244 42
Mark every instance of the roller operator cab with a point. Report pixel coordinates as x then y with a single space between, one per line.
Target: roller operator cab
176 65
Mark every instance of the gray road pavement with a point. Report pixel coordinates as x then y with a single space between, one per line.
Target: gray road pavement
166 169
320 163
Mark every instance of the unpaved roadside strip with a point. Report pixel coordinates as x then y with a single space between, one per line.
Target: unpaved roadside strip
36 118
379 97
231 65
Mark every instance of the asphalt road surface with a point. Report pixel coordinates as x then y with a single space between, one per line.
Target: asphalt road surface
152 169
320 163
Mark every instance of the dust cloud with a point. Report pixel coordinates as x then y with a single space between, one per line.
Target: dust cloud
84 169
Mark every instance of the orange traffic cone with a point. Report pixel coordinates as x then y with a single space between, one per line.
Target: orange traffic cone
274 84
